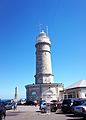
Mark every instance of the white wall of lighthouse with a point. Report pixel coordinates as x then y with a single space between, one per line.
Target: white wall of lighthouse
43 59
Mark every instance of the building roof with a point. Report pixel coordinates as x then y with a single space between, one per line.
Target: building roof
80 83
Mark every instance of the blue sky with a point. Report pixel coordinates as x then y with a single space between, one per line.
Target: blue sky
19 27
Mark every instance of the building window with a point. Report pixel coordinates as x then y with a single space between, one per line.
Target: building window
70 96
65 96
85 94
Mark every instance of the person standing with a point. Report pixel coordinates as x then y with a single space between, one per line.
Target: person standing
15 105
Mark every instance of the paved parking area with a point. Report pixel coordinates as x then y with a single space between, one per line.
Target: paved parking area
33 113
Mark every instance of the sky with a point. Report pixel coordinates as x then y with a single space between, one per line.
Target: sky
20 25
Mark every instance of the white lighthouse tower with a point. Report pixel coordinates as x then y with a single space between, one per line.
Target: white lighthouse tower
44 86
43 59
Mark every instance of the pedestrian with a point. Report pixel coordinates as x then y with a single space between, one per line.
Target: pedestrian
15 105
48 108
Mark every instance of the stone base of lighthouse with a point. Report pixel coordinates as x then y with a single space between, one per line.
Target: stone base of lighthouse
48 92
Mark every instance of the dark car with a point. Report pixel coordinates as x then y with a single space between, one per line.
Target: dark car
53 105
66 105
69 104
80 110
2 111
21 102
9 104
77 103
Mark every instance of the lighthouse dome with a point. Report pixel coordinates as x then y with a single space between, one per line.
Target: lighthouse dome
42 37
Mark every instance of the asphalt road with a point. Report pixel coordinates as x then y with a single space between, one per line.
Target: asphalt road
33 113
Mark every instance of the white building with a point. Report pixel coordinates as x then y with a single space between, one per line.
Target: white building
76 90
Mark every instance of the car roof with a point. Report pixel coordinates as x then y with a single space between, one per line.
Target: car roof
74 99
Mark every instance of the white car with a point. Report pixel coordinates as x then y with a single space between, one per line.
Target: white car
43 107
80 110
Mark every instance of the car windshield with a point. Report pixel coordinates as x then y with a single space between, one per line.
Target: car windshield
84 104
75 103
66 101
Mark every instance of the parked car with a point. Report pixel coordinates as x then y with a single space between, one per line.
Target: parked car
21 102
29 103
80 110
9 104
43 107
77 102
2 111
66 105
53 105
41 102
69 104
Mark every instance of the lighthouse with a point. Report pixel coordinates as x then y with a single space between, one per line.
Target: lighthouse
43 59
44 87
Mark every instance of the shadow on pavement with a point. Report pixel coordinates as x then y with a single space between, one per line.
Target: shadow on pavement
72 117
13 113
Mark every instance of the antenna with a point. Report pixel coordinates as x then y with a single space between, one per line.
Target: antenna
41 27
47 30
